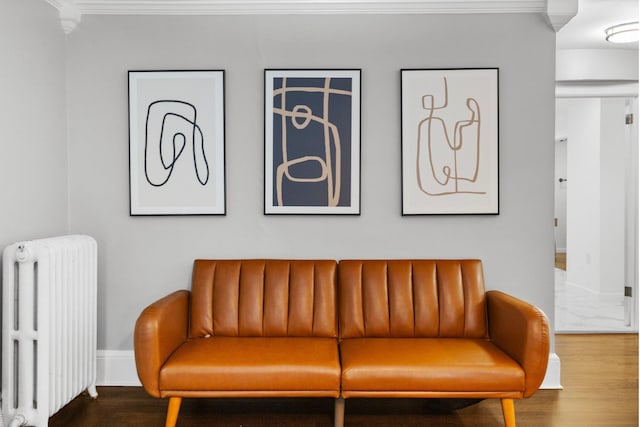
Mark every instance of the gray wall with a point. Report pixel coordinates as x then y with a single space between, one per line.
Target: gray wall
143 258
33 149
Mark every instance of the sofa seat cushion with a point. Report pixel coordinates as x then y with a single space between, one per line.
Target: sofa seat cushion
254 364
427 365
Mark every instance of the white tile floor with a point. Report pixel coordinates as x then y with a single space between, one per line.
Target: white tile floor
580 311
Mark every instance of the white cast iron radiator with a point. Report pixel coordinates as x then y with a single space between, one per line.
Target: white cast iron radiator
49 326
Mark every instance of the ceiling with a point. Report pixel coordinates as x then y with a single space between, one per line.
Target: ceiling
586 29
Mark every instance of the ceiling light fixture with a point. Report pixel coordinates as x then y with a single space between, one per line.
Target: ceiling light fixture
622 33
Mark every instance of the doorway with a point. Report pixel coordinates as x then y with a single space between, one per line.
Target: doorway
596 215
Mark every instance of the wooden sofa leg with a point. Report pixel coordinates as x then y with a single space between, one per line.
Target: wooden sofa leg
172 412
508 412
338 412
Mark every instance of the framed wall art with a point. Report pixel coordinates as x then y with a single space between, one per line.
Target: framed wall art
177 143
449 141
312 141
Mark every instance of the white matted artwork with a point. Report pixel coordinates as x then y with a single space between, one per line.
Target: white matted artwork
176 143
450 141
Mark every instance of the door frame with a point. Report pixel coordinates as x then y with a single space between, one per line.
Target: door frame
630 91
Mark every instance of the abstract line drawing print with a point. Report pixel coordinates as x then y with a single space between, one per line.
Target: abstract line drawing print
171 126
311 147
446 165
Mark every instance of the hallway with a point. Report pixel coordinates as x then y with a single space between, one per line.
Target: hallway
579 310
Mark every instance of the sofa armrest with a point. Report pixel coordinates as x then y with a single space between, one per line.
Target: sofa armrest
522 331
159 331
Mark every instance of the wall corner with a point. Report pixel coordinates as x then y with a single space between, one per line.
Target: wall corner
69 14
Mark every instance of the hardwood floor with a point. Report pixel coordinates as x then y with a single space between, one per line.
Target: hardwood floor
599 376
561 260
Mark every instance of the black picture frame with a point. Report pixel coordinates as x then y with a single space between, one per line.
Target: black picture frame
312 141
450 141
177 142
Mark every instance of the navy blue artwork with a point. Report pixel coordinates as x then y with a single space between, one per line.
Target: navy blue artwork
312 139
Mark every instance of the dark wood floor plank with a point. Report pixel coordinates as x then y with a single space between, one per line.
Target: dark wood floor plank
599 375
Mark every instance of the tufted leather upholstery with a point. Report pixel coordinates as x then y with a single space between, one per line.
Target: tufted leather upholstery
256 328
270 298
402 328
427 328
421 299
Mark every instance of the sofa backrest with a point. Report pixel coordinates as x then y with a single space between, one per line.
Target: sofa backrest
254 298
412 298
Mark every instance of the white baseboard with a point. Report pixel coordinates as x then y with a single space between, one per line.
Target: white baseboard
552 378
118 368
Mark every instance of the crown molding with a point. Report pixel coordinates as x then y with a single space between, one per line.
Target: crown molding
71 11
253 7
559 12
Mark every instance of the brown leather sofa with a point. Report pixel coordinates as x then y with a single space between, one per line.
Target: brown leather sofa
269 328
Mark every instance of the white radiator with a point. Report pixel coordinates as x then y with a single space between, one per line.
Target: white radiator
48 326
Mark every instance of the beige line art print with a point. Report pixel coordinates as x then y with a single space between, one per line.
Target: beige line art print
301 116
445 167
